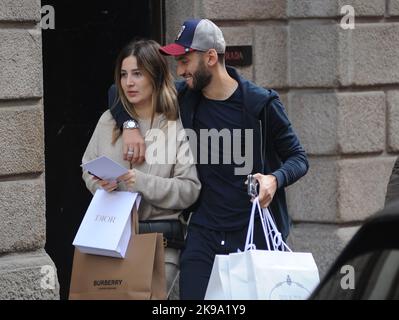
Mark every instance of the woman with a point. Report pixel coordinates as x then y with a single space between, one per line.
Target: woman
167 185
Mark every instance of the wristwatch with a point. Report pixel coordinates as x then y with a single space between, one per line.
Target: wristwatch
131 124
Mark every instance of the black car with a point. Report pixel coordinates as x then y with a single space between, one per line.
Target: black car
368 267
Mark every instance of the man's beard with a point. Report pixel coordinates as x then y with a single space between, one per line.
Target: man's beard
201 78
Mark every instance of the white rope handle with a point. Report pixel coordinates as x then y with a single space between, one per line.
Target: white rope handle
269 230
249 242
275 235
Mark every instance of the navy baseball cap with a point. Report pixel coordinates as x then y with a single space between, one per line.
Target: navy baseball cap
196 34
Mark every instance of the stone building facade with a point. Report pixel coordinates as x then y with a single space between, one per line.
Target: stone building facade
340 87
26 271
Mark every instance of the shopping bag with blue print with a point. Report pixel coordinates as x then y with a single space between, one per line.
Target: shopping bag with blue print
273 274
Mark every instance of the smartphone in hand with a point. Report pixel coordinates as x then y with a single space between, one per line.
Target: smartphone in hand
94 175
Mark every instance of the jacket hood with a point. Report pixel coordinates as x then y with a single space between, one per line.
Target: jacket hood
255 97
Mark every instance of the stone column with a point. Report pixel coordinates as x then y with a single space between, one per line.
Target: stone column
340 88
26 271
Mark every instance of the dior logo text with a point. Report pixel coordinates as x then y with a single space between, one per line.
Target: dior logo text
107 219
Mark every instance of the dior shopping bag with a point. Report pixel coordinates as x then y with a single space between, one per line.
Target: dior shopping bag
139 276
106 227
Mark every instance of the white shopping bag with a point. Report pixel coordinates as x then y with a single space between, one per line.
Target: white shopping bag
229 278
281 275
219 284
266 274
106 227
241 284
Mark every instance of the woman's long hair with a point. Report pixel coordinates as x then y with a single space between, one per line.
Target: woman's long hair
153 64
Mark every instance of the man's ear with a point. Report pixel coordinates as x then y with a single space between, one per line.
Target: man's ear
212 57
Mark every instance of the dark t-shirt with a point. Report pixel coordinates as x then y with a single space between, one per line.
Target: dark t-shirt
224 203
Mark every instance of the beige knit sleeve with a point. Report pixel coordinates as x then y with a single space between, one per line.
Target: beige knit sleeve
91 153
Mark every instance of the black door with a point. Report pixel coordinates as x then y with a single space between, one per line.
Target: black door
78 62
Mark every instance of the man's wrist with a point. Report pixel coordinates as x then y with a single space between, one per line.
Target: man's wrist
275 180
131 124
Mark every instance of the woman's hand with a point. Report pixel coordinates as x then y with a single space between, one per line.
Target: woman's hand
129 179
108 186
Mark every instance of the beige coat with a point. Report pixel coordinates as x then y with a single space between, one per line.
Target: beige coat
166 189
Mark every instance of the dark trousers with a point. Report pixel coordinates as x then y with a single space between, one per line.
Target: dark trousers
197 258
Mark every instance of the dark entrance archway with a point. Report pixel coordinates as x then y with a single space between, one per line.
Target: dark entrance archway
78 62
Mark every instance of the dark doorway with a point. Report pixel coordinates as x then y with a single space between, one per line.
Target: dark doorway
78 62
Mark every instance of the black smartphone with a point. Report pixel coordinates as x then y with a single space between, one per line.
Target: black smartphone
94 175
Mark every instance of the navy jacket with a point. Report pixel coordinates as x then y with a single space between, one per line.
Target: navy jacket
279 153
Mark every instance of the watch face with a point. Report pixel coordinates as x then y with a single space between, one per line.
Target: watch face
130 124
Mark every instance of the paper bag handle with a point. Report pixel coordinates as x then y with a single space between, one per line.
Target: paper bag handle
135 221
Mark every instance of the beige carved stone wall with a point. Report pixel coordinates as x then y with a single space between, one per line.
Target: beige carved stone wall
26 271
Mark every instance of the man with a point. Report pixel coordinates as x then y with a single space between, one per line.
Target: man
213 96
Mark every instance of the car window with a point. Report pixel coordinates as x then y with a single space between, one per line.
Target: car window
374 276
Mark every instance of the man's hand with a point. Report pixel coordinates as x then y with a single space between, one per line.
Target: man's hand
133 146
267 188
129 179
